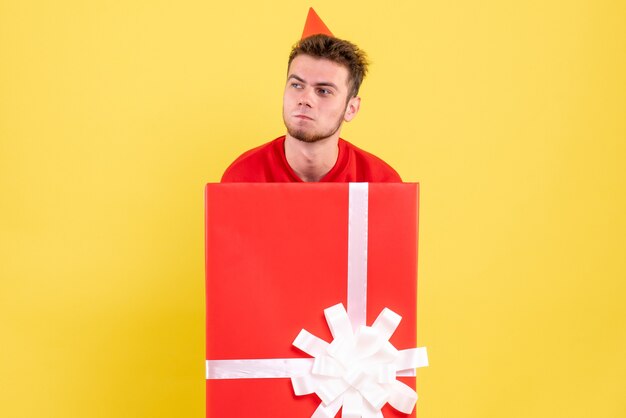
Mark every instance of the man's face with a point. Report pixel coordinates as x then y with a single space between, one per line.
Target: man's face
315 102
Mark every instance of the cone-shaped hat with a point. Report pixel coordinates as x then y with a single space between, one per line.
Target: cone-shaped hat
314 25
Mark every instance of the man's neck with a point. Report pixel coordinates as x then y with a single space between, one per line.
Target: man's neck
311 161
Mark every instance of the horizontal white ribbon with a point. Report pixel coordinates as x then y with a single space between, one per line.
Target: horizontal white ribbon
358 370
257 368
275 368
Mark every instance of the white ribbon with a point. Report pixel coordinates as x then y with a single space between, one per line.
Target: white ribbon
357 253
357 370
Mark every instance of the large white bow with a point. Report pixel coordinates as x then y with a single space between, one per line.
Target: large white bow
357 370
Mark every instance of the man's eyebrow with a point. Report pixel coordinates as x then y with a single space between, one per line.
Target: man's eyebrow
296 77
327 84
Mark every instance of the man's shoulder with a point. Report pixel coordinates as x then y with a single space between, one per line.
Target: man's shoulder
250 166
255 153
370 166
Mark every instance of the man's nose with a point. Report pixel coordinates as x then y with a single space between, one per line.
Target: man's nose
305 98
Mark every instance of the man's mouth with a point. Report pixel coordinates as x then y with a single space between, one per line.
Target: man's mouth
304 117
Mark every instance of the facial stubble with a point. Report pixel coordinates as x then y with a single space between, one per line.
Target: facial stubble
309 137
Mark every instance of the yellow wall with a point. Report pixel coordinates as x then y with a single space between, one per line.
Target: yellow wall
113 115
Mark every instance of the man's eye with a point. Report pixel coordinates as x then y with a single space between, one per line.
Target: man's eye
296 85
324 91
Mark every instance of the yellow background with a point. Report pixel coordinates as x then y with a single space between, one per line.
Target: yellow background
113 115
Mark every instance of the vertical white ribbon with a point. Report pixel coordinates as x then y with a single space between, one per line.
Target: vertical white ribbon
357 253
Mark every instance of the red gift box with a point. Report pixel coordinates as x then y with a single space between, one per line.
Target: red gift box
276 256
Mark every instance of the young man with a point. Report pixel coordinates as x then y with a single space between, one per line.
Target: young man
323 80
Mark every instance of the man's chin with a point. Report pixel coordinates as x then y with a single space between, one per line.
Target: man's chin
305 136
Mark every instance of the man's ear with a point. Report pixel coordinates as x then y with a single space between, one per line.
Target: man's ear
354 104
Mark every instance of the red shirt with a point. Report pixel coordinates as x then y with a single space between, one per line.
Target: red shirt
268 163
